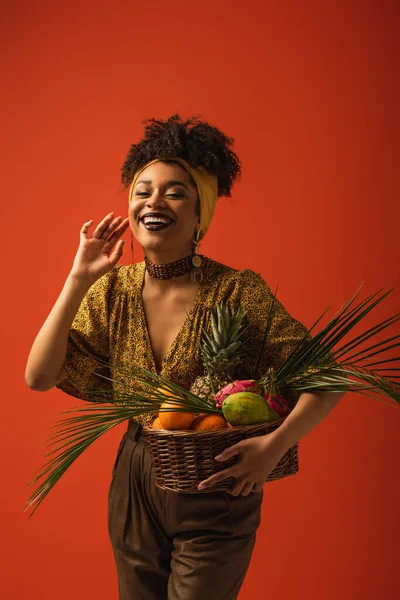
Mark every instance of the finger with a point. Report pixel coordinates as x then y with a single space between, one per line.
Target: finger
103 225
85 228
108 229
258 487
237 488
216 478
247 488
118 232
117 252
229 452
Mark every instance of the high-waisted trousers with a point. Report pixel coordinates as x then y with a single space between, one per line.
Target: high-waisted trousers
175 546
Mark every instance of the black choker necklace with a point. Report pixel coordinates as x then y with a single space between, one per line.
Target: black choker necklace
175 269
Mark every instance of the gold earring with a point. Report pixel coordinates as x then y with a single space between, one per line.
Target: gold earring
196 274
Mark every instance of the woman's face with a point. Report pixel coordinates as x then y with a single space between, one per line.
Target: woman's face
163 211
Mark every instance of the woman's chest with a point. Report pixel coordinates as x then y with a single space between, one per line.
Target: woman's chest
158 334
166 317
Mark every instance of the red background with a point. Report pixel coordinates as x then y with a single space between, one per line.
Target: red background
309 90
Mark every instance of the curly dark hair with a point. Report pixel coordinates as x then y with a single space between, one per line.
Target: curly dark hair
197 142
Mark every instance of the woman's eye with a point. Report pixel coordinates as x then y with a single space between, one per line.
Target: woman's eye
168 195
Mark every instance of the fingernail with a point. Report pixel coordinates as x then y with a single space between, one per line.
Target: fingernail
201 486
219 457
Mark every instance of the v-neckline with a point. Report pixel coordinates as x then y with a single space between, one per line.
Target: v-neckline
146 336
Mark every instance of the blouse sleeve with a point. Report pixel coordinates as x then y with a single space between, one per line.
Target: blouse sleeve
89 338
285 331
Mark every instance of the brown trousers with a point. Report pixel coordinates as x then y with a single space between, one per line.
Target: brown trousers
173 546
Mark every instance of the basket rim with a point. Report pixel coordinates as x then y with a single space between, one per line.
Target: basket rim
200 432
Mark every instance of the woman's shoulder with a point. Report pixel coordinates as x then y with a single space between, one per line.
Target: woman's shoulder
246 277
124 276
218 274
114 284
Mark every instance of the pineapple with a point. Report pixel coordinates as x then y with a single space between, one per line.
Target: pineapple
221 352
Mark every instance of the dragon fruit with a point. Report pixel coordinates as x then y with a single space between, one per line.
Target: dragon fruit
276 402
246 385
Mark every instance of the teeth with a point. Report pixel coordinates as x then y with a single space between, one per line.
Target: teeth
157 220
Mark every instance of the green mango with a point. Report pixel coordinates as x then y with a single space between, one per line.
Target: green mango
245 408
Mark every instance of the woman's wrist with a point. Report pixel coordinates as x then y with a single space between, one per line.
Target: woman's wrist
310 410
274 442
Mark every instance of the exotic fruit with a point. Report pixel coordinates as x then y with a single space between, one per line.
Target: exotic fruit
278 404
246 385
221 352
173 419
157 423
205 422
245 408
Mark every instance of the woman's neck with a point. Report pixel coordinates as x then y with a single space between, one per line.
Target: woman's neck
158 257
167 284
166 258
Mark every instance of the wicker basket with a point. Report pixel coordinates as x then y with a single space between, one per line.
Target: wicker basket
182 459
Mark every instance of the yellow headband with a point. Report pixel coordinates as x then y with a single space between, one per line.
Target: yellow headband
207 189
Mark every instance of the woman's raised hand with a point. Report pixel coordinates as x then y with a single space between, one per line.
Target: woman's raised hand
96 255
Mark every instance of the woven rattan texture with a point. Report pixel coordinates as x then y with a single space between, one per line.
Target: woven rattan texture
182 459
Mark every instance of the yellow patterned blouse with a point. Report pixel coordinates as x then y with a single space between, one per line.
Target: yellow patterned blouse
111 324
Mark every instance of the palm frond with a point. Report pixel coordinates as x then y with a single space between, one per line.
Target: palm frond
349 321
77 432
306 345
59 465
366 335
315 351
136 391
346 379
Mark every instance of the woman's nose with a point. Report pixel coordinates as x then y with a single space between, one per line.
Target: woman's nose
155 200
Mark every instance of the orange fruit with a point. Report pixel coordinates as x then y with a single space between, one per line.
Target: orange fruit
157 423
207 422
165 392
229 425
174 420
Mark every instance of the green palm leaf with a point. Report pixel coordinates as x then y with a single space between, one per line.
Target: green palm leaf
319 349
313 365
362 380
76 433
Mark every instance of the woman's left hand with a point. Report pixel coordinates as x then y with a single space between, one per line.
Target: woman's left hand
258 457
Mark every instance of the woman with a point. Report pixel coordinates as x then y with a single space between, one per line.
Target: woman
170 545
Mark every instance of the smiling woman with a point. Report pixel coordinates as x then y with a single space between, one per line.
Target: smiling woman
166 544
163 212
